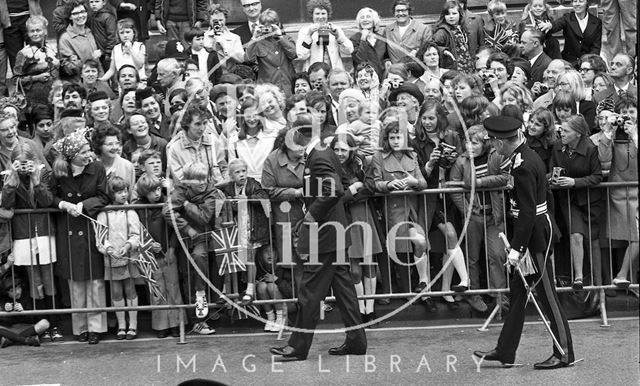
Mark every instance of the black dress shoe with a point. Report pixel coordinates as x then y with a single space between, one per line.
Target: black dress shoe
162 334
422 285
83 337
287 353
346 350
552 363
488 355
93 338
429 305
459 288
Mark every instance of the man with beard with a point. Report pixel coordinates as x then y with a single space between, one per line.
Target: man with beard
74 96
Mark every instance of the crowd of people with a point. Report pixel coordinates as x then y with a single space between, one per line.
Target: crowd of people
208 139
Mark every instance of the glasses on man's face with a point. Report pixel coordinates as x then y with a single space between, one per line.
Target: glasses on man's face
249 5
78 13
401 10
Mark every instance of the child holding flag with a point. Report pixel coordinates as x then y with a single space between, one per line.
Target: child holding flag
119 245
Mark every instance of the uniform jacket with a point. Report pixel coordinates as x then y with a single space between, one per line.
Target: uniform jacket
498 177
323 190
584 167
78 257
196 11
25 226
577 43
415 37
529 190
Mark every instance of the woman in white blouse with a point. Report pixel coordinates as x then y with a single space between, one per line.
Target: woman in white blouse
252 146
322 41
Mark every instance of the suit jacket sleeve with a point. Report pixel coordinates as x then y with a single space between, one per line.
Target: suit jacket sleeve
331 187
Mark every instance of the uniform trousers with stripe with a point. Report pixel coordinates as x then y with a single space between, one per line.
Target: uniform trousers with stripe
547 299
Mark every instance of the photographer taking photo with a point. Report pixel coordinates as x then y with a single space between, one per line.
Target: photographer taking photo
273 51
617 144
218 38
322 41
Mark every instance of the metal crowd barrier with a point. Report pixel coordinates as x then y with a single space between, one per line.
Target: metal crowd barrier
433 202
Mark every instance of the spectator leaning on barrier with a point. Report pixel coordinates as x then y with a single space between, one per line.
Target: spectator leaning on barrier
34 244
79 187
321 41
582 207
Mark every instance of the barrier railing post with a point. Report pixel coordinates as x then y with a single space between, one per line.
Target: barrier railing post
603 309
182 333
490 318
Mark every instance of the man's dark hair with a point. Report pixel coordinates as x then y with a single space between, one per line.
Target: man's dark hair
73 87
317 66
402 2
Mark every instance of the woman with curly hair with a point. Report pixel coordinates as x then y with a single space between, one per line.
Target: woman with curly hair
513 93
272 102
322 41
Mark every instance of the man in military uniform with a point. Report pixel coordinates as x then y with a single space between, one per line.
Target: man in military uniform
532 232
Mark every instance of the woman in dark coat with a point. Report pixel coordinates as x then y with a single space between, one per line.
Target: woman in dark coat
367 47
581 207
576 41
79 187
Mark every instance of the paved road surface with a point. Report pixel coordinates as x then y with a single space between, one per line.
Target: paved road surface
422 355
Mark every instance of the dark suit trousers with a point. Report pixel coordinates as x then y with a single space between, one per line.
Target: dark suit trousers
316 281
548 300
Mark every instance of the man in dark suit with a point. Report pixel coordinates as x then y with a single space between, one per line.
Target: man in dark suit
531 45
251 8
325 217
531 235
